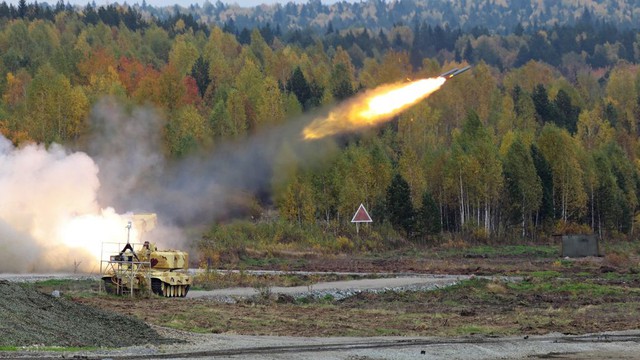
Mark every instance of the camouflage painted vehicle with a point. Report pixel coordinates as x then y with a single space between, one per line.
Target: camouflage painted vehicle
148 269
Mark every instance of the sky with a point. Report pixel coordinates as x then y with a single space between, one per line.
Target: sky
185 3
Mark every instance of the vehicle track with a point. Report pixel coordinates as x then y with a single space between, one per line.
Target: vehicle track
384 344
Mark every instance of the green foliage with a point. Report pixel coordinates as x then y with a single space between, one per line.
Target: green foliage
522 184
497 251
545 275
399 207
298 85
237 237
200 72
341 87
429 217
543 172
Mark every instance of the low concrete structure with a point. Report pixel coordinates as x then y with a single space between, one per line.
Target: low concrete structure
580 245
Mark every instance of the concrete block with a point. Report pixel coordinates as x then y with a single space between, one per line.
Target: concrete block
580 245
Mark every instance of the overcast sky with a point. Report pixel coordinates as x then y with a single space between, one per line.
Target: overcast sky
243 3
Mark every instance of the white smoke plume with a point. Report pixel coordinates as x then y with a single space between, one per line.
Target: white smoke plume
44 193
57 206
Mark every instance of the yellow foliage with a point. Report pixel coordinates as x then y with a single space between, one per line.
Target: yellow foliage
568 227
344 244
496 288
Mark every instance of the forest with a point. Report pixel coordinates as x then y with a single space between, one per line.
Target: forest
540 138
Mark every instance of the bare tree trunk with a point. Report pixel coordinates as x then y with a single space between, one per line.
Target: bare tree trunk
461 201
593 224
441 212
523 217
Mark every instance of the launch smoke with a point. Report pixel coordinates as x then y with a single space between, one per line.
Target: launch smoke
58 206
41 191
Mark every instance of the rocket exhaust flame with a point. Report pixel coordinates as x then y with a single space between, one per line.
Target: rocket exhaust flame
373 107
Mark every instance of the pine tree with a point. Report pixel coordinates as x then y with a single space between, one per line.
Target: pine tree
399 205
299 86
200 72
543 170
429 218
22 8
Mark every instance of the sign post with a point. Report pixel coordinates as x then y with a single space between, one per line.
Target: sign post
361 216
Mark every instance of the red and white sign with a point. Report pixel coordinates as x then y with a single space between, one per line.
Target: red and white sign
361 215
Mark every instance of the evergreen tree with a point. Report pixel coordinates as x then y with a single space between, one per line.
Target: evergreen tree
567 113
200 72
429 219
543 171
5 12
518 30
22 8
298 85
399 206
545 110
468 52
90 15
329 28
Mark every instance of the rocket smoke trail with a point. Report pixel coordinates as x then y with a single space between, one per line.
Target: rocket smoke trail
194 190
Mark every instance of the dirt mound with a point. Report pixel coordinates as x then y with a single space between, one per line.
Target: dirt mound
29 317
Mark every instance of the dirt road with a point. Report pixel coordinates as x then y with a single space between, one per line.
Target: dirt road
614 345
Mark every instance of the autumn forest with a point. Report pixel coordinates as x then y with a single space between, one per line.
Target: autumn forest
539 138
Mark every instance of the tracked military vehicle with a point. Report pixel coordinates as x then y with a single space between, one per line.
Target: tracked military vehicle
147 269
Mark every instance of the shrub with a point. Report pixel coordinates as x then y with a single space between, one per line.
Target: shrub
617 259
343 244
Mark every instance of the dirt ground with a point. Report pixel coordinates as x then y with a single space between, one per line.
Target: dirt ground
29 317
412 265
554 298
440 313
581 296
469 264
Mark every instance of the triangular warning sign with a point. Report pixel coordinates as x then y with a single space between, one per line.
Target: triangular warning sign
361 215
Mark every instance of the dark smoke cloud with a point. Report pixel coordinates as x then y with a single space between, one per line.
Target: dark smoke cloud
194 190
59 207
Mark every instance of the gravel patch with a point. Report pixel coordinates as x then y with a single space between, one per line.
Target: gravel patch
31 318
339 290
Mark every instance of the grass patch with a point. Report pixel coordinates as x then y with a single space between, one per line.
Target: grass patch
545 274
495 251
572 287
473 330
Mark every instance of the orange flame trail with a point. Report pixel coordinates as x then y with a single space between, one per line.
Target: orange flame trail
372 108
